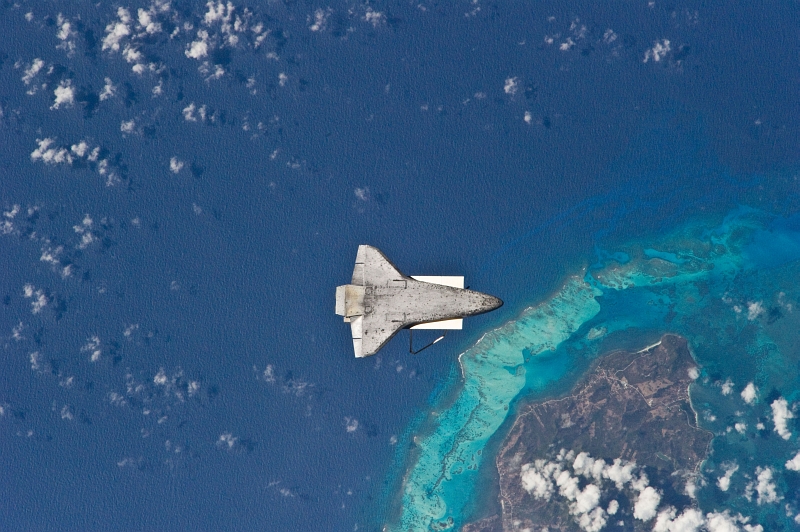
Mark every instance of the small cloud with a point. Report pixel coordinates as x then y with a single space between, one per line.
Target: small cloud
694 373
362 193
511 86
668 521
727 387
794 463
191 113
32 70
320 19
66 413
65 95
92 346
161 378
38 298
49 154
226 441
724 482
175 165
750 393
65 34
764 487
646 504
740 427
351 424
117 31
376 18
128 126
35 360
659 50
780 415
754 310
198 49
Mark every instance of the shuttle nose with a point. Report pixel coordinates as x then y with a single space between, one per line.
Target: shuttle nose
495 302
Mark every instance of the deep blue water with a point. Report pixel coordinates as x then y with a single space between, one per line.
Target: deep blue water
389 125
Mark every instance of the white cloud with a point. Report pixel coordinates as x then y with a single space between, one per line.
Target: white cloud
754 310
147 22
587 499
740 427
613 506
511 86
691 486
32 71
36 360
350 424
66 413
65 95
750 393
727 387
84 229
320 19
362 193
535 478
198 49
37 296
589 467
128 126
190 110
694 373
724 481
161 378
117 31
780 415
658 51
175 165
226 441
593 521
689 521
646 504
109 90
619 472
567 485
764 487
376 18
218 12
80 149
725 522
92 346
50 155
794 463
65 34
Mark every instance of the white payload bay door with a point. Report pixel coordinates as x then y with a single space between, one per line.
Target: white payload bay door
456 281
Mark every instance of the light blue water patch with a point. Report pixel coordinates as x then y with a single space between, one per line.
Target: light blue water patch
705 288
663 255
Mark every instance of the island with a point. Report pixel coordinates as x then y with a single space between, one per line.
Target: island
623 445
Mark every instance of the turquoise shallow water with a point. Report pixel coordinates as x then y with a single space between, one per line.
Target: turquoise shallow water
731 288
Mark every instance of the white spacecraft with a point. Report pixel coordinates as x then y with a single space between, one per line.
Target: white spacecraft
379 301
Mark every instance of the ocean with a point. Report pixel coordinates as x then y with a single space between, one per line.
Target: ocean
183 185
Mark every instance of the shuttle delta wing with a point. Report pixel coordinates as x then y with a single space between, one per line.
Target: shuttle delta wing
376 274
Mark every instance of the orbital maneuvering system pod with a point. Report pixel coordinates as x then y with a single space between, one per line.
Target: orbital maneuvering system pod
379 301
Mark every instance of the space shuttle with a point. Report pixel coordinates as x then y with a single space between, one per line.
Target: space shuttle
380 301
